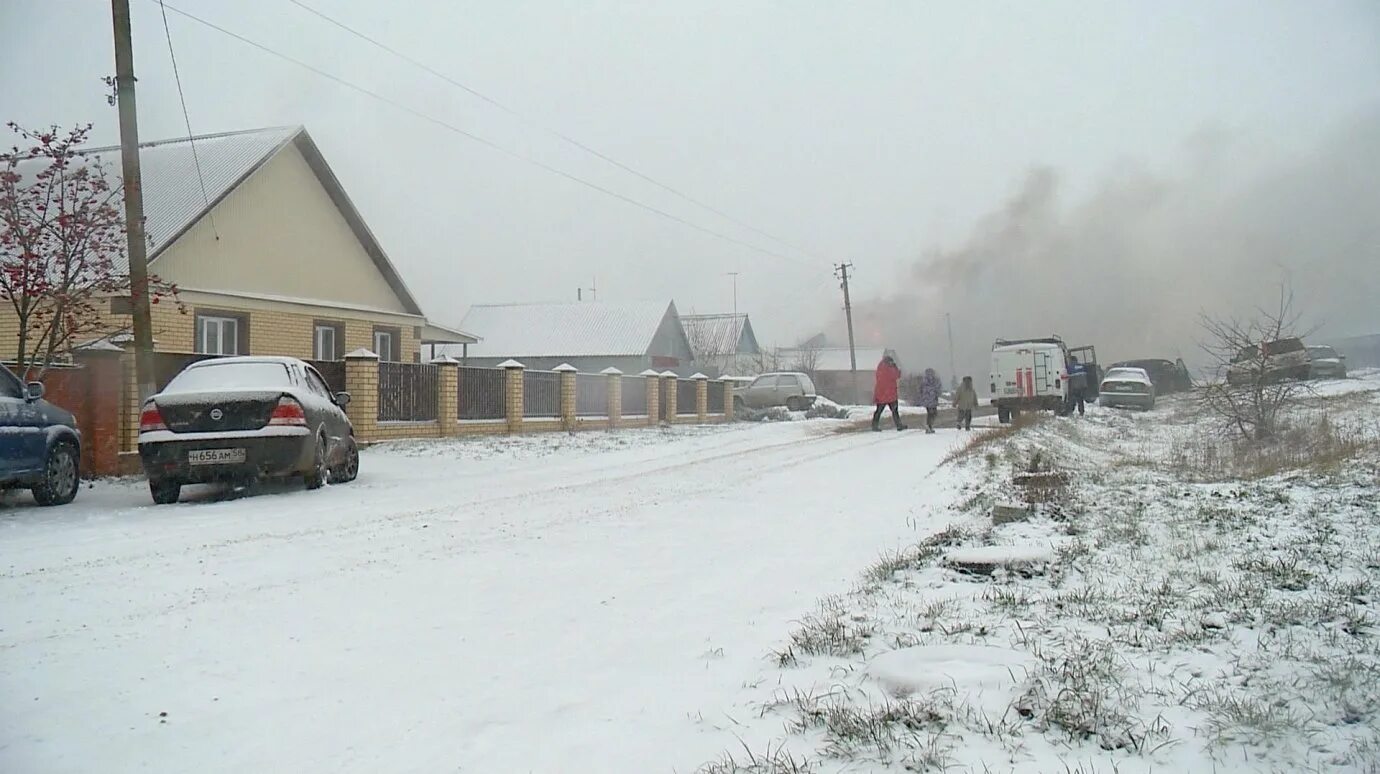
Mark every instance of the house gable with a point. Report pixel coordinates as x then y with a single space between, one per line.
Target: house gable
670 340
285 231
747 340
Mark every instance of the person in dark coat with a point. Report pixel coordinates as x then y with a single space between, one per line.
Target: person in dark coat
1078 385
930 387
884 393
966 401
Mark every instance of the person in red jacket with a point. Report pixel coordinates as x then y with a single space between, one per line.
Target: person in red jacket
884 393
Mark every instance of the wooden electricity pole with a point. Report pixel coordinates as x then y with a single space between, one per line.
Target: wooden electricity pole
841 270
136 242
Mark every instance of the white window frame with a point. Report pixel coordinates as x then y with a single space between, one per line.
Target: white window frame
204 322
321 352
389 355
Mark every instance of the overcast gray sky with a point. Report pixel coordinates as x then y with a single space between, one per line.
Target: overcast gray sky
874 132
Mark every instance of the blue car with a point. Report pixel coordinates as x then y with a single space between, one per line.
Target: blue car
40 446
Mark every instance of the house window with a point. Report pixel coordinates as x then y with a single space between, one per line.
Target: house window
327 340
219 334
386 344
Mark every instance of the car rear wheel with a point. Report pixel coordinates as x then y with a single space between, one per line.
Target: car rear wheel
794 403
61 476
316 477
349 469
164 492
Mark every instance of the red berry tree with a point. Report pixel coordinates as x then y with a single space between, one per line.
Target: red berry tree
62 244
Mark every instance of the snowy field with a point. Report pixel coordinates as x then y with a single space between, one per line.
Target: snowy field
550 603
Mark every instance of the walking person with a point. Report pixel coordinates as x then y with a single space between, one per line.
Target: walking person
930 387
966 401
884 393
1078 385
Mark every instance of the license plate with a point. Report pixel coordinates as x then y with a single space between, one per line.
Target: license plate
215 456
1122 388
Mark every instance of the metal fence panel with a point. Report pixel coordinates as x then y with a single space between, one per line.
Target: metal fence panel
716 397
407 392
685 397
541 394
634 399
333 371
482 392
591 395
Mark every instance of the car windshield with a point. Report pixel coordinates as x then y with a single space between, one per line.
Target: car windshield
1125 373
1284 346
213 377
1321 353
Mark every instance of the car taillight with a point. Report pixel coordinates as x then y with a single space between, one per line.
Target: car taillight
151 419
288 412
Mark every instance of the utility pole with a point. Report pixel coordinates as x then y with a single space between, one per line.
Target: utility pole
135 241
953 371
737 327
841 270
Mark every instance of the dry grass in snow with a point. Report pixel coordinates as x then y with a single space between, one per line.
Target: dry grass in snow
1208 606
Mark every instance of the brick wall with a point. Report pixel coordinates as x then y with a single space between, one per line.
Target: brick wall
274 328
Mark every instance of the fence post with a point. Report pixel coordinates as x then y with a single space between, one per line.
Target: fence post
653 395
701 396
362 382
568 388
729 413
615 395
668 388
447 394
512 393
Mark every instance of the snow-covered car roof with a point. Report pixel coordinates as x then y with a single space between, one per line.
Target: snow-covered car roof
248 359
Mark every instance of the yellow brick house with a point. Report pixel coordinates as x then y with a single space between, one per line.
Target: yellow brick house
272 258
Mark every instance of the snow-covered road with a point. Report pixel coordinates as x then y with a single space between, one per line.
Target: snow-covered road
550 603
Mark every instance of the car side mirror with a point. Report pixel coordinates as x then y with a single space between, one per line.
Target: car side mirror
342 399
35 391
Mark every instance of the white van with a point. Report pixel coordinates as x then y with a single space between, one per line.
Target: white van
1029 375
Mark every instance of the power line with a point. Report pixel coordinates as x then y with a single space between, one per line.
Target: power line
196 159
476 138
556 133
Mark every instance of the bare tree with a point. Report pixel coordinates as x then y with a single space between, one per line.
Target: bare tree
61 232
1250 388
805 360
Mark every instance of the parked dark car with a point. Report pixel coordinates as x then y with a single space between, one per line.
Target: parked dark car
1168 376
40 447
240 419
1325 363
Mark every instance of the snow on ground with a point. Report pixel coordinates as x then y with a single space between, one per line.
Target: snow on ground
549 603
1198 614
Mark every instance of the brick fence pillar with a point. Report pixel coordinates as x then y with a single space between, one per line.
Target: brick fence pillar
569 385
512 393
668 389
729 413
701 397
653 395
447 394
615 395
100 411
362 382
